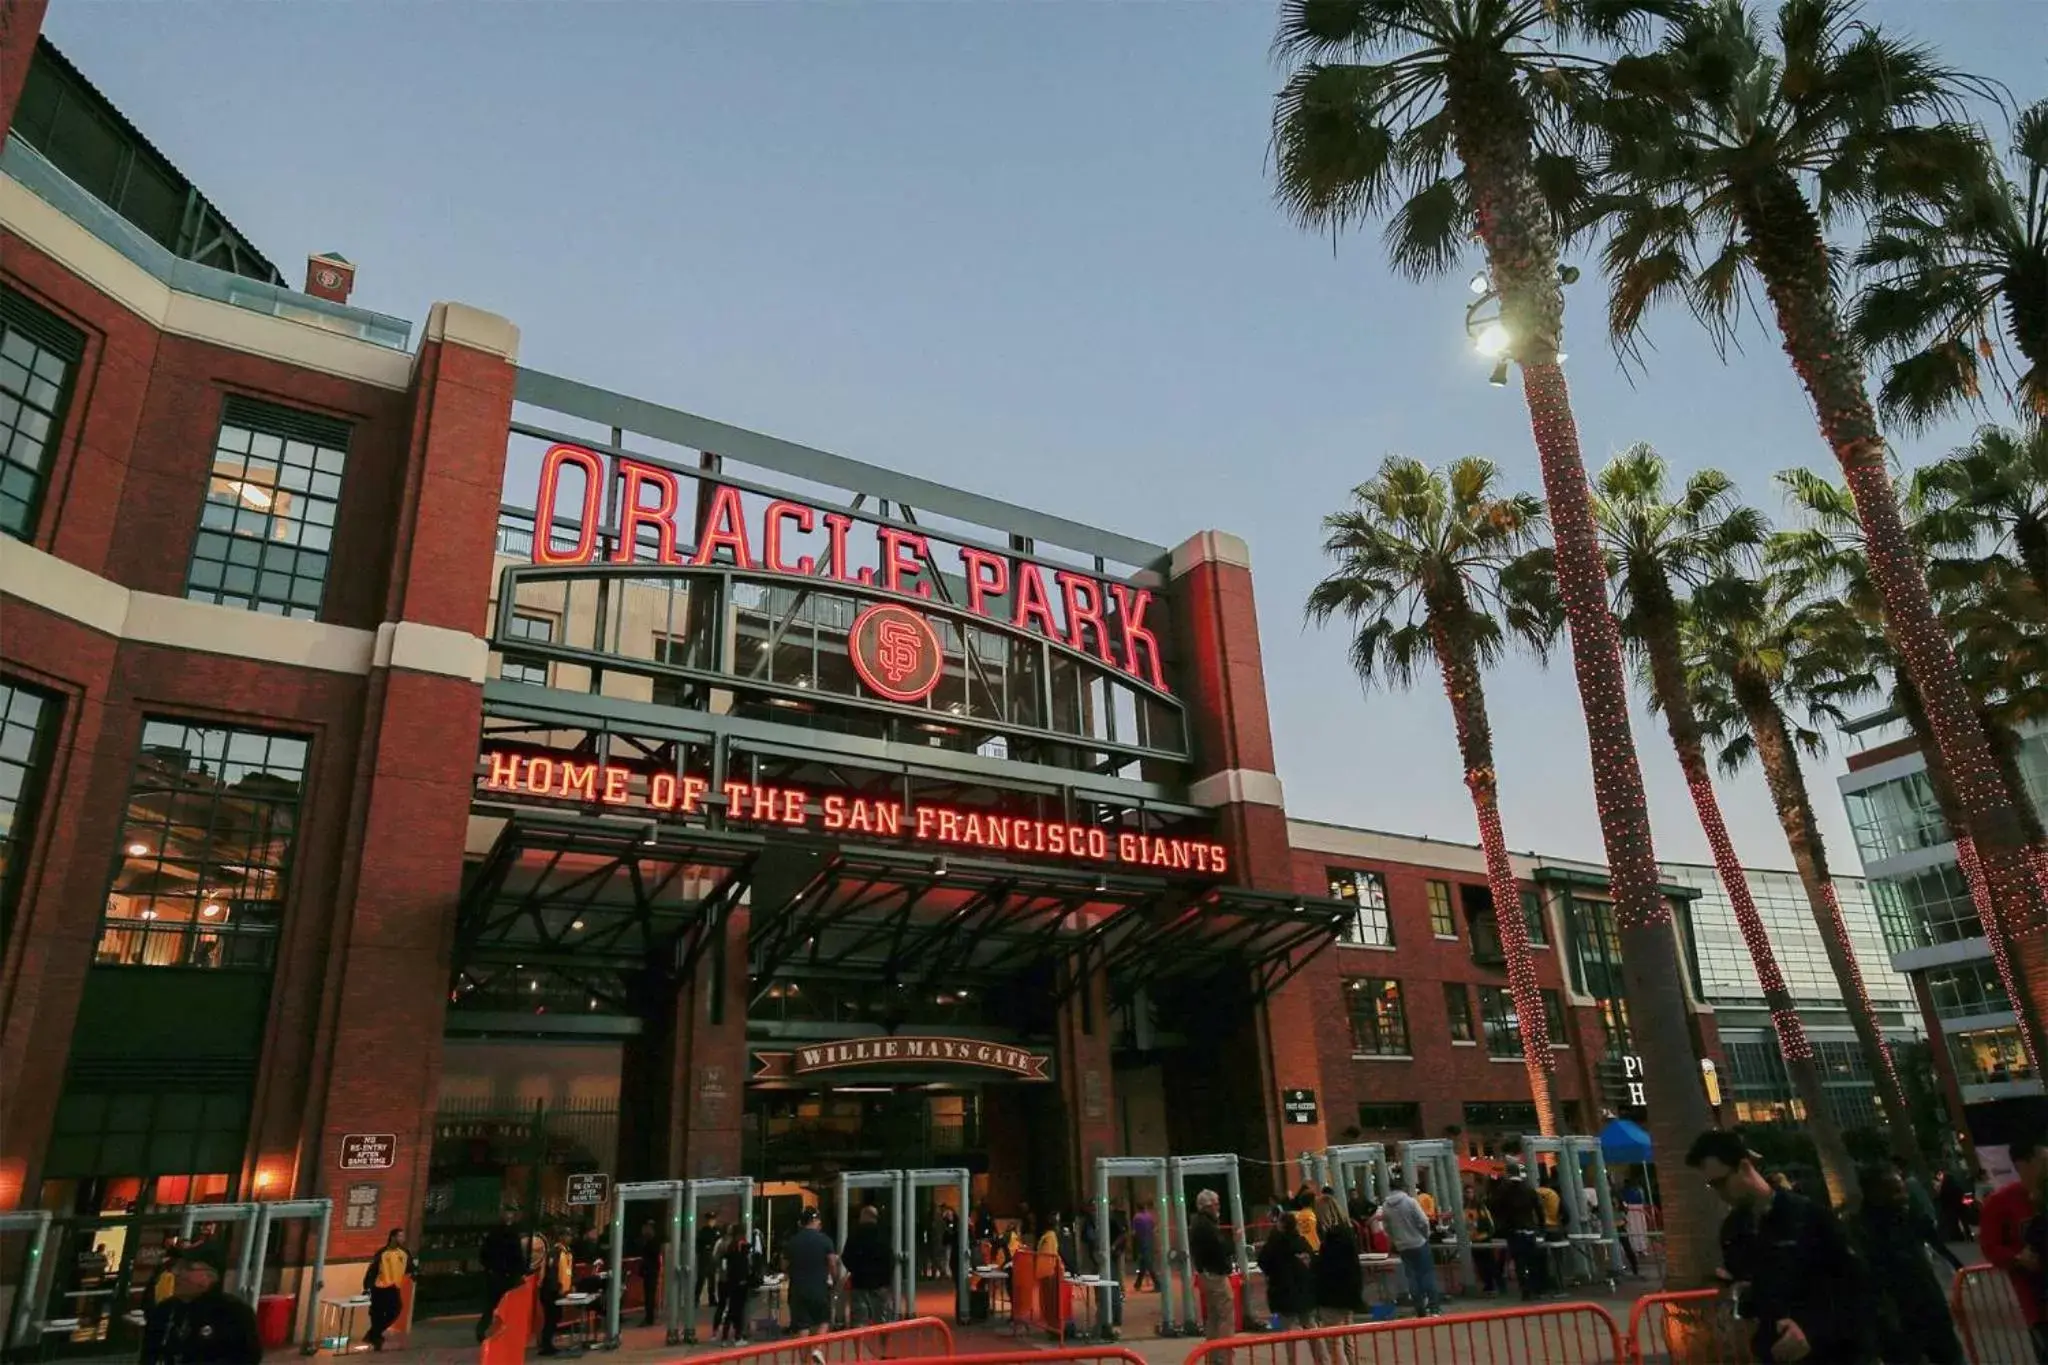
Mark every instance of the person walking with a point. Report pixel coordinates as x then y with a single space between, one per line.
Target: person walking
1789 1262
1339 1279
1519 1214
1144 1226
867 1261
2012 1232
734 1260
384 1281
651 1250
502 1255
1286 1261
557 1278
1408 1230
198 1323
813 1268
1210 1256
1913 1322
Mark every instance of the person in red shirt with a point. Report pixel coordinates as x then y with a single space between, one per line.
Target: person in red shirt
2010 1232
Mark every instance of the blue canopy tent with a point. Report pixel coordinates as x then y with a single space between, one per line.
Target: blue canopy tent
1624 1142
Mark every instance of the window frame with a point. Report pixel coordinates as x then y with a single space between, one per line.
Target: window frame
1464 1013
1555 1021
54 335
1443 919
287 426
25 822
1352 935
506 660
1508 1023
1357 987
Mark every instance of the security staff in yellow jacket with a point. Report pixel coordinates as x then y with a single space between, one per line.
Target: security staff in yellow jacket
384 1282
557 1277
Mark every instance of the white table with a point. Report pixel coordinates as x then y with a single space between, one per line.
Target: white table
581 1303
1098 1288
338 1322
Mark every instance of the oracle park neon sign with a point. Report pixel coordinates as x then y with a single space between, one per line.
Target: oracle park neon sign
1098 617
760 803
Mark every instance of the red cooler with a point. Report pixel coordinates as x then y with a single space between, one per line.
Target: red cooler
274 1320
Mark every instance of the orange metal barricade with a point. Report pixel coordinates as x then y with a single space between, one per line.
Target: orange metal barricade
911 1339
1554 1334
1987 1313
1649 1326
1026 1355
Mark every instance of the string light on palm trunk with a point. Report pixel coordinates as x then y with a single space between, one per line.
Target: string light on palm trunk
1972 869
1791 1032
1838 928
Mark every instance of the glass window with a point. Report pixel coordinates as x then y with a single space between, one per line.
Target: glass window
1458 1009
1895 817
39 354
1519 1115
1553 1018
1989 1056
27 720
266 532
1595 946
526 625
1614 1024
1379 1025
1367 891
1391 1118
1503 1028
205 852
1925 908
1966 988
1532 914
1442 922
1484 926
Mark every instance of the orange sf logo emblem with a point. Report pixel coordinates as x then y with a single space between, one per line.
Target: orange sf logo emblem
897 648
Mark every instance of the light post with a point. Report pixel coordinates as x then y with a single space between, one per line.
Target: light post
1490 336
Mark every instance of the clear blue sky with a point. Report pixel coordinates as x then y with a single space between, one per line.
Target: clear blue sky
1025 248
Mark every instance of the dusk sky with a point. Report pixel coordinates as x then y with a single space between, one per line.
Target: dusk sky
1028 249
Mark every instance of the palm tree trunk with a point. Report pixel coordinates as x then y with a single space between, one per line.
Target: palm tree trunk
1785 238
1809 855
1460 671
1667 678
1521 254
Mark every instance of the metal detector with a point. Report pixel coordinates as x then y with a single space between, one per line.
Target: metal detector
891 1181
1179 1169
1340 1161
1152 1168
1438 1157
682 1254
938 1177
22 1319
269 1213
1579 1219
244 1212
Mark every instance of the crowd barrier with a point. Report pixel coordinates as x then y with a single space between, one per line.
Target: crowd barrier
1029 1355
912 1339
1987 1313
1716 1334
1554 1334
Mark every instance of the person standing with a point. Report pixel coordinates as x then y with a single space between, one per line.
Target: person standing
1408 1230
734 1259
1339 1278
557 1277
650 1254
1792 1268
384 1281
813 1267
710 1240
868 1261
1144 1224
2012 1228
1518 1213
1286 1262
1913 1323
503 1259
1486 1258
198 1324
1209 1255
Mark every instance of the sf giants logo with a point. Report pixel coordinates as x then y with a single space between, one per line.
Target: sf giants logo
896 652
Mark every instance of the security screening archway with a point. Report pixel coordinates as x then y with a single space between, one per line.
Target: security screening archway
891 1181
1438 1159
681 1252
1339 1161
21 1319
244 1212
937 1178
1152 1168
1584 1225
1180 1169
271 1212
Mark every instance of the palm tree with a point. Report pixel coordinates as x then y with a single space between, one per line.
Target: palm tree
1658 542
1467 107
1726 158
1945 273
1825 562
1748 671
1441 568
1996 490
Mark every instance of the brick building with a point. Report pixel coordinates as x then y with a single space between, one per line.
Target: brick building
425 777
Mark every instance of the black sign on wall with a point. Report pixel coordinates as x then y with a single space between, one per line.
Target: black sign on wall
1298 1106
588 1188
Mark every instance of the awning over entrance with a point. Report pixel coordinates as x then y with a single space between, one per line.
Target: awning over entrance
594 899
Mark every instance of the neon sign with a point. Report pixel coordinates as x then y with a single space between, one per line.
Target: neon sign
760 803
896 652
1098 617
